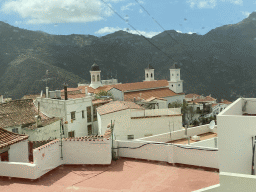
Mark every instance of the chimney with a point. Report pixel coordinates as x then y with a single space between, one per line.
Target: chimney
38 121
1 99
66 91
47 92
222 100
86 91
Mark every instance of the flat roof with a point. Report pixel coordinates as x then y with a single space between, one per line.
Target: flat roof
203 136
127 175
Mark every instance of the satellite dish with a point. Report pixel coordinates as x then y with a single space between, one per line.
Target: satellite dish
212 124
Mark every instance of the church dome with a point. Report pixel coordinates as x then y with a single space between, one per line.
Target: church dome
95 67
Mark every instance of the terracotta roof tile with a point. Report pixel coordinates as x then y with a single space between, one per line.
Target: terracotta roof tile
141 85
153 98
91 90
8 138
117 106
192 95
17 112
225 102
158 93
101 101
45 122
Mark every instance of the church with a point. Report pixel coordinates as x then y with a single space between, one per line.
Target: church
148 90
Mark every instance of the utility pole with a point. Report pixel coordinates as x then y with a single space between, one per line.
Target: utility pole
61 123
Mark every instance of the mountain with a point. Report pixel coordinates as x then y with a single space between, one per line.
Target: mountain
220 63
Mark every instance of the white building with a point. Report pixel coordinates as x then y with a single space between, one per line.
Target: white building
77 113
236 133
132 121
171 90
13 147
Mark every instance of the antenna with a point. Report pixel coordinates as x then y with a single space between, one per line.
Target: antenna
212 124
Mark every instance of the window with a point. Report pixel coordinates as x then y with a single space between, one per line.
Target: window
147 74
71 134
151 74
4 156
172 85
94 113
130 136
15 130
177 74
172 74
93 78
73 115
89 127
89 115
179 85
148 135
83 114
98 77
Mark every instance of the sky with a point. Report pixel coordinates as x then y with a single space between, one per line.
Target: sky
101 17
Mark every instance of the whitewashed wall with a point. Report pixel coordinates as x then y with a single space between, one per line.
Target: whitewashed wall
43 133
195 157
207 143
125 126
168 153
172 99
150 151
18 152
18 170
154 126
117 94
79 125
63 109
87 152
180 134
47 157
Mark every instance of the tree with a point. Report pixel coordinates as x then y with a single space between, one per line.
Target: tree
103 93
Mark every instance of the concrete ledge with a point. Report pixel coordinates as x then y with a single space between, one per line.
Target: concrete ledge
212 188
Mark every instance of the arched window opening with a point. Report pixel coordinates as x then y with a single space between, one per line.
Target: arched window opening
98 77
151 74
93 78
147 75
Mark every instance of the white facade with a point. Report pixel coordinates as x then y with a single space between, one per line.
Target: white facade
149 75
18 152
95 79
140 127
63 109
47 132
176 98
117 94
175 84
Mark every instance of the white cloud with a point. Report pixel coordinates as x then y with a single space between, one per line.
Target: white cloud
127 7
58 11
237 2
210 3
114 29
141 11
246 13
202 3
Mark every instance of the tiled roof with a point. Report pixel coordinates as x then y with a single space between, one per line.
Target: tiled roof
117 106
225 102
205 100
192 95
45 122
141 85
70 89
158 93
74 96
214 104
100 101
153 98
8 138
17 112
32 96
91 90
